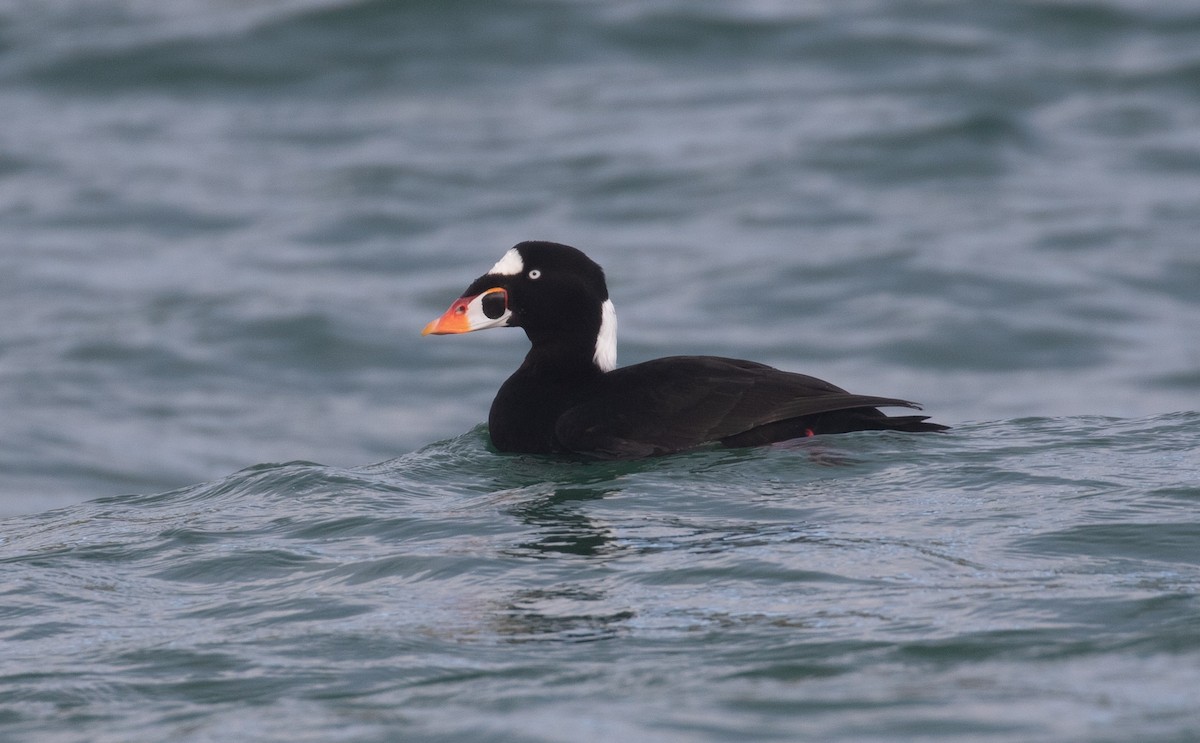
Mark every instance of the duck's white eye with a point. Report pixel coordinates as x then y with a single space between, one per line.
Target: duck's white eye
534 273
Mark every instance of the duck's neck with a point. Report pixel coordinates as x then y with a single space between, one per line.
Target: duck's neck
559 358
560 354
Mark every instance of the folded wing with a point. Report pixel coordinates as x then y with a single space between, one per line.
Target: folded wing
682 402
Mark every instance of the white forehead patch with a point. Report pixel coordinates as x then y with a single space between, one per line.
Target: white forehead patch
510 265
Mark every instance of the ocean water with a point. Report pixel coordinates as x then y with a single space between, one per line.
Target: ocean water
242 499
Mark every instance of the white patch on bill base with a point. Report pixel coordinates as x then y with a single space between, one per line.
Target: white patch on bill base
478 320
606 339
510 265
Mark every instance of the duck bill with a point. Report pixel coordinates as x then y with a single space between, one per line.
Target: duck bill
467 314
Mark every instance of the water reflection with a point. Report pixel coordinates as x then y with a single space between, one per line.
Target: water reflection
573 611
562 526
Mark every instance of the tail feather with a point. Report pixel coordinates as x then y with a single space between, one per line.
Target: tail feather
909 423
841 421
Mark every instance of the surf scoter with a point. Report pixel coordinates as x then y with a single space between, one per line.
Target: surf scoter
569 396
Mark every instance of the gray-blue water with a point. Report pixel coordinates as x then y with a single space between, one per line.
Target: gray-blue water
243 499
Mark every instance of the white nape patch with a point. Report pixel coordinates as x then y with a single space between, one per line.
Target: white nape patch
510 265
606 339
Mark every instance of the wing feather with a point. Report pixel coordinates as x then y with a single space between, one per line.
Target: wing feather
682 402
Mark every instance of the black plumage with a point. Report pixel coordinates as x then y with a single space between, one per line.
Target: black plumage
564 398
